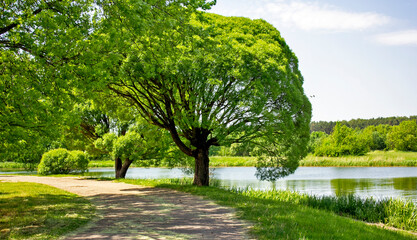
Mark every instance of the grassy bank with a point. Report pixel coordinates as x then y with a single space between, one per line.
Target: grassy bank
371 159
282 214
36 211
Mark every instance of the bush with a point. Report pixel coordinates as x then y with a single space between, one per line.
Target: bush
404 136
343 141
79 160
62 161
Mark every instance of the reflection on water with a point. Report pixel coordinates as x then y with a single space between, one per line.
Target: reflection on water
350 186
377 182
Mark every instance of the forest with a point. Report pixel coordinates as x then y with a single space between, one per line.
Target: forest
343 140
327 127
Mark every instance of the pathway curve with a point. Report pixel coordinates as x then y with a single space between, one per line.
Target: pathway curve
128 211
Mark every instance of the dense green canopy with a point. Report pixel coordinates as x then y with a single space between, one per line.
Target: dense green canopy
207 79
218 80
37 38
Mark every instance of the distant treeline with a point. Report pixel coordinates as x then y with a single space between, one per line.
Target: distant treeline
327 127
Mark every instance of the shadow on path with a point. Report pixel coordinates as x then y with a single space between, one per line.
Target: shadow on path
130 212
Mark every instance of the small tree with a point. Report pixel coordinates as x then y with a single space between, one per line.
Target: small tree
316 139
404 136
142 143
342 141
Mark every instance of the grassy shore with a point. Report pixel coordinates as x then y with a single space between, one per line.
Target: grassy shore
37 211
282 215
371 159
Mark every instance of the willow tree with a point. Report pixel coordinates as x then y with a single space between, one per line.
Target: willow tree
212 80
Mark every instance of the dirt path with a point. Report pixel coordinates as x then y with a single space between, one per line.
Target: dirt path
133 212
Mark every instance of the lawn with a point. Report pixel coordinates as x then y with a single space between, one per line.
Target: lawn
37 211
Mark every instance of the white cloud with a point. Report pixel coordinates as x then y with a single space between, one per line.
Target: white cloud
408 37
313 16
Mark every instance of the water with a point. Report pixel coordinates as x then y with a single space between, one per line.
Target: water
378 182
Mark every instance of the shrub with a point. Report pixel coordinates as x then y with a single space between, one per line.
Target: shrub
78 160
62 161
343 141
404 136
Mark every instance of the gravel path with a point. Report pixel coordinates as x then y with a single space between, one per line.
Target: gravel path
128 211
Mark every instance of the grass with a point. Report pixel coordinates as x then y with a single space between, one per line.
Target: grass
281 215
11 165
371 159
37 211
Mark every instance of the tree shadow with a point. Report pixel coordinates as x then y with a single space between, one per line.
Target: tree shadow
51 215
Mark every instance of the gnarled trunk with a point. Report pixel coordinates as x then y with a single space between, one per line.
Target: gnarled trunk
201 173
121 169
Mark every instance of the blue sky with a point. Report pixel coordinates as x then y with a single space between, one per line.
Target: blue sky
358 57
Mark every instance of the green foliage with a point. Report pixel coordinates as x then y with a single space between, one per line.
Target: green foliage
327 127
208 79
316 139
401 214
376 136
404 136
37 211
38 39
143 144
79 161
62 161
342 141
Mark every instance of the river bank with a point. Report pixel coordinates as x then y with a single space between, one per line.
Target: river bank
371 159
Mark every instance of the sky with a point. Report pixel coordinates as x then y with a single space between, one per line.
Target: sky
358 57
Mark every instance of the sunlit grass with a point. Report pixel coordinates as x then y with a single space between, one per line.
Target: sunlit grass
371 159
282 215
37 211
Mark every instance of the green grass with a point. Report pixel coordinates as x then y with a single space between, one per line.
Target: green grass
37 211
11 165
282 217
232 161
371 159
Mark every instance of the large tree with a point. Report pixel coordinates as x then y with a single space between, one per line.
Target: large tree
211 80
37 39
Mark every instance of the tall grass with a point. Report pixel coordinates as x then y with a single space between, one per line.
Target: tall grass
371 159
11 165
392 212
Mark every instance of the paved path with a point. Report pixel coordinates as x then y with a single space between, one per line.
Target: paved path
128 211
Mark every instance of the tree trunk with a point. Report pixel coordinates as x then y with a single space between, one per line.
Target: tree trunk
117 166
201 173
121 170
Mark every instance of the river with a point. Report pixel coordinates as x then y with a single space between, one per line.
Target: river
377 182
